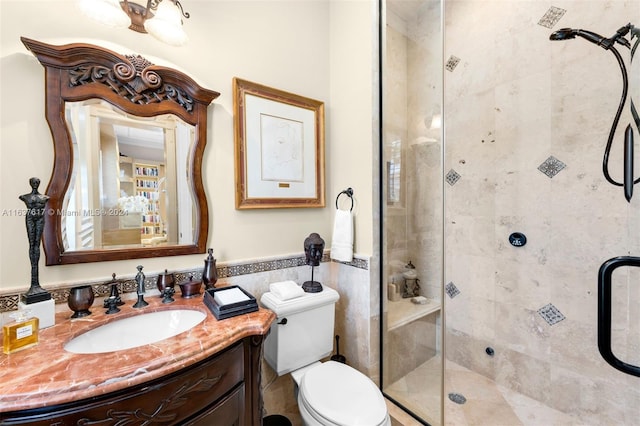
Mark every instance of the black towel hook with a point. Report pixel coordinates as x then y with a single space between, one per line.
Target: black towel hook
349 193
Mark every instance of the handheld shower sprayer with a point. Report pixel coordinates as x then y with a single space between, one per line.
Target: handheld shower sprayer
605 43
609 44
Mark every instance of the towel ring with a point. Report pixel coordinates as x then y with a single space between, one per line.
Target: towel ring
349 193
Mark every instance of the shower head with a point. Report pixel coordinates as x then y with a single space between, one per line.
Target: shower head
563 34
569 33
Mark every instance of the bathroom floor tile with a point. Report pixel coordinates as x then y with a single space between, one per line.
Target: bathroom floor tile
486 402
279 396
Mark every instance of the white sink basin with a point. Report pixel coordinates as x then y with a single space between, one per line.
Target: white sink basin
135 331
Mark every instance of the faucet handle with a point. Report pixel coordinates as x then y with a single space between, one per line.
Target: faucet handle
111 303
114 290
167 295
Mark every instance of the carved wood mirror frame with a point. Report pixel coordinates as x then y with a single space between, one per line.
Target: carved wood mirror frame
79 71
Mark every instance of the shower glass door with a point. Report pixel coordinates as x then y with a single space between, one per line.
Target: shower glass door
412 206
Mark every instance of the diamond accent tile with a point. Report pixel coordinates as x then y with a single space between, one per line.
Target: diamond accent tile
551 166
452 63
551 314
452 177
551 17
451 290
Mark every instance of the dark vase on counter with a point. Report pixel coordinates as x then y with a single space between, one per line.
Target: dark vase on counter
80 300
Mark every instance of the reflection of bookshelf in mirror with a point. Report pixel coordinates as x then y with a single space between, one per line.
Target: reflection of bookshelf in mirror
147 177
126 176
144 179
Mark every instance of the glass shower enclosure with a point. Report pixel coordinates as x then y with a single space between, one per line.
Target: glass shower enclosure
412 206
510 264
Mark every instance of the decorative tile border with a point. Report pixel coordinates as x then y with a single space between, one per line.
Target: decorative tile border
9 302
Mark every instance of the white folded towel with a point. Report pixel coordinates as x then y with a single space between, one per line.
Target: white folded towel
342 241
286 290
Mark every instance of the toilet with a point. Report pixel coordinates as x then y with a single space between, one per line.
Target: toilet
328 393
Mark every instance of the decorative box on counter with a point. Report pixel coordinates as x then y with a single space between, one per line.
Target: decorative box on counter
227 302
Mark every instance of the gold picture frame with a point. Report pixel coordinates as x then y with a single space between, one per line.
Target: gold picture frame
279 148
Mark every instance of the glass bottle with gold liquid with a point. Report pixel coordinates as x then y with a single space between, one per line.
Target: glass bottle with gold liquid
21 333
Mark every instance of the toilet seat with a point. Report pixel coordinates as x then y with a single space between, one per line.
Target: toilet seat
335 394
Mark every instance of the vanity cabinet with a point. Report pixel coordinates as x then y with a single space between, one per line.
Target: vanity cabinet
221 390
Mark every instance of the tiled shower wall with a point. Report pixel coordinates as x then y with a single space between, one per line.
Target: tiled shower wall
526 124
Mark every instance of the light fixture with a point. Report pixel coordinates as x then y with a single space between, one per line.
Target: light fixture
161 19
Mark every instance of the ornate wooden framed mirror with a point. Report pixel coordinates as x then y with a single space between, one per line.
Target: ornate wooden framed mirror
128 143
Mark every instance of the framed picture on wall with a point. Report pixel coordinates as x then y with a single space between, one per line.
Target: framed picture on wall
279 148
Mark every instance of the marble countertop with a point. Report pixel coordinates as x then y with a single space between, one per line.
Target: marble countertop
47 375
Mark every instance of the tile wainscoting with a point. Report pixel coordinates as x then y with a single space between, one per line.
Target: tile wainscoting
356 311
126 283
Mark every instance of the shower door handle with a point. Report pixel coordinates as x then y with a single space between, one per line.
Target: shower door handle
604 312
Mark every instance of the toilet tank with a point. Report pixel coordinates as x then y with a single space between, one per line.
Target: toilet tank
303 330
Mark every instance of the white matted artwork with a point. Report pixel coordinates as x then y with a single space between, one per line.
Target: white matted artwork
279 147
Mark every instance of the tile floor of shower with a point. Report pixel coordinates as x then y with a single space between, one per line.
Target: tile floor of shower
486 402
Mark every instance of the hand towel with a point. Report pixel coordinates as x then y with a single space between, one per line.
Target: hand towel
342 240
286 290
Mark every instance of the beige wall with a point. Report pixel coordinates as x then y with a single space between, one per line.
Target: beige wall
319 49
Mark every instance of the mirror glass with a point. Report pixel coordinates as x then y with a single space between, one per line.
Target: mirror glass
124 189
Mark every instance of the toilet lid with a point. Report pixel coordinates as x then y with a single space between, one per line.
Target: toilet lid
343 395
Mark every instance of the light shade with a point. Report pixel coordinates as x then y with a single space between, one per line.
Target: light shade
108 12
166 25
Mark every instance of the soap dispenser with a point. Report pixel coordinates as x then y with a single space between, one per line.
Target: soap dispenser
21 333
210 273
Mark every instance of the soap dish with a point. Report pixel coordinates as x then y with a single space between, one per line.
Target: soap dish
227 302
420 300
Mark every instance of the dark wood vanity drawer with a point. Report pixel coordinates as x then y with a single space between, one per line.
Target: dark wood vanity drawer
169 400
226 412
